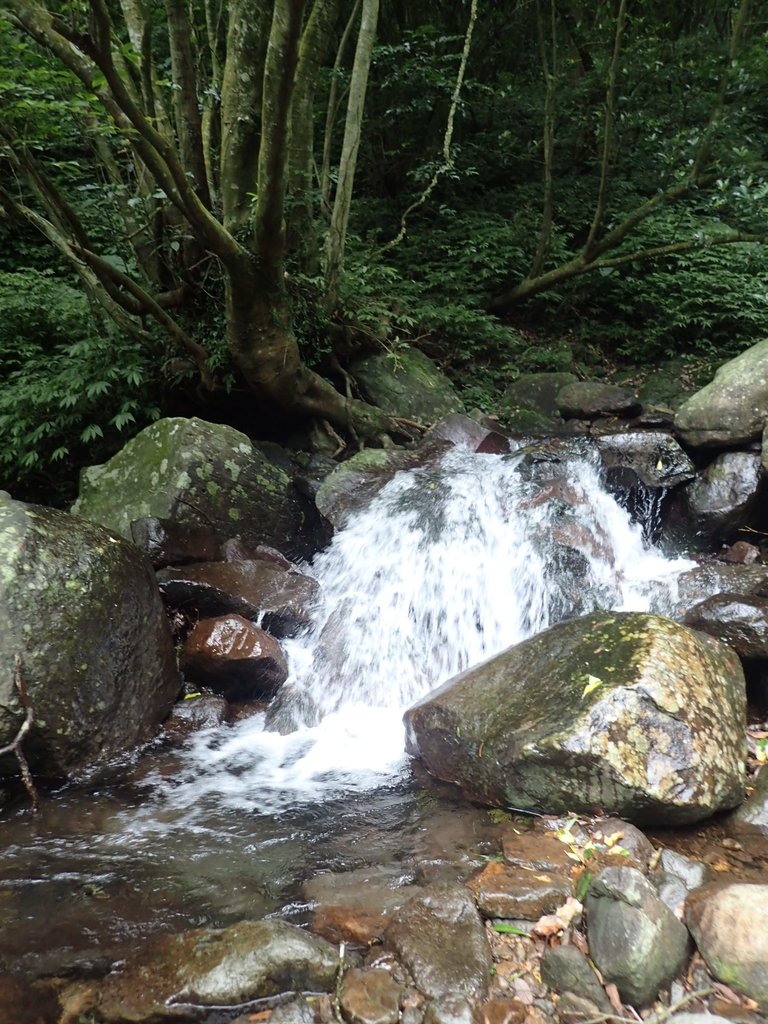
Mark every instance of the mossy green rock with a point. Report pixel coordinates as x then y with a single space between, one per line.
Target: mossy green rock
627 712
81 609
407 383
529 402
195 472
732 408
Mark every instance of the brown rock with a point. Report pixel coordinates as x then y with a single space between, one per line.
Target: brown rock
234 657
168 542
370 997
196 712
24 1003
537 851
503 891
344 924
503 1011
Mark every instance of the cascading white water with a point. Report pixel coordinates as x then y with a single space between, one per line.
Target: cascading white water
447 566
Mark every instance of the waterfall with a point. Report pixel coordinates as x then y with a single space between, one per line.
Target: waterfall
448 565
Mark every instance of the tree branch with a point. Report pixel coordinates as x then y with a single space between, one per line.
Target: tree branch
548 141
15 746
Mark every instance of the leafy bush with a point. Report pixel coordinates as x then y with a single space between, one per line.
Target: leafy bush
72 385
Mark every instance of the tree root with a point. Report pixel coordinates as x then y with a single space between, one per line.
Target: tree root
15 746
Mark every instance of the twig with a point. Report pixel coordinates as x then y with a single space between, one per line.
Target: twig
15 746
339 981
656 1018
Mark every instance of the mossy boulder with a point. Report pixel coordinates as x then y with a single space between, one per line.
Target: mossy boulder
627 712
80 607
407 383
733 408
529 403
201 473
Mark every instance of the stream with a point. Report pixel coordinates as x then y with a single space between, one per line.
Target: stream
447 566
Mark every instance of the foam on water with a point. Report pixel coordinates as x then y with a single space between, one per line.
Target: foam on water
447 566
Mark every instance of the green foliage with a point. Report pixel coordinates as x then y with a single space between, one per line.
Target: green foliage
711 301
73 386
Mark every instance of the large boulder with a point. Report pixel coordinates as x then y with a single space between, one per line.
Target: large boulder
529 403
200 473
627 712
732 408
589 400
650 457
726 496
407 383
80 607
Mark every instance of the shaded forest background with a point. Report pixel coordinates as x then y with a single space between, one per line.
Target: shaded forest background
214 208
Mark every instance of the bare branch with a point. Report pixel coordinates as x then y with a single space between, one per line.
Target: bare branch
15 746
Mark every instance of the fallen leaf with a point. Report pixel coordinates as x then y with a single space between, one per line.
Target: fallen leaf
611 840
263 1015
613 996
592 684
721 865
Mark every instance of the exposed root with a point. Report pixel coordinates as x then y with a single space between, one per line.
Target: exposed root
15 746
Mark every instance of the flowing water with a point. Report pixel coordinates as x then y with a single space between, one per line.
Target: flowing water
447 566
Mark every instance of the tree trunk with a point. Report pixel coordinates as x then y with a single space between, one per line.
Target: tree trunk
337 234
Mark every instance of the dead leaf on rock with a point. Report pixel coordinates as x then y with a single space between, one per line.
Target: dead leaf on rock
553 924
613 996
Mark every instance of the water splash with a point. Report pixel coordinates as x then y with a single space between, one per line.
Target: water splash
448 565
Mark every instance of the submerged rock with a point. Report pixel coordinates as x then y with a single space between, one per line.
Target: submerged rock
214 968
203 474
635 941
627 712
731 409
727 921
80 607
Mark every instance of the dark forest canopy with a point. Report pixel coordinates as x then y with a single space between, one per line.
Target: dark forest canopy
202 197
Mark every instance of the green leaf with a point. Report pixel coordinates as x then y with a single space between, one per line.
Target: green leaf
504 928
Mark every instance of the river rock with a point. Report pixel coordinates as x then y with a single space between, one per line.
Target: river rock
566 969
727 921
439 937
635 941
22 1002
731 409
463 432
653 458
590 400
201 473
520 893
80 606
530 402
234 657
356 482
725 496
214 967
709 578
676 877
254 589
406 383
167 542
752 817
195 712
356 906
739 621
629 712
370 997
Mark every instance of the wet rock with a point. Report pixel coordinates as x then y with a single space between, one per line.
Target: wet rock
503 1011
406 383
752 817
253 589
709 578
463 432
566 969
22 1002
727 921
451 1010
625 711
589 400
192 714
166 542
676 877
235 658
653 458
739 621
214 967
370 997
198 473
440 939
635 941
356 906
535 851
357 481
730 410
520 893
81 608
726 495
741 553
634 842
